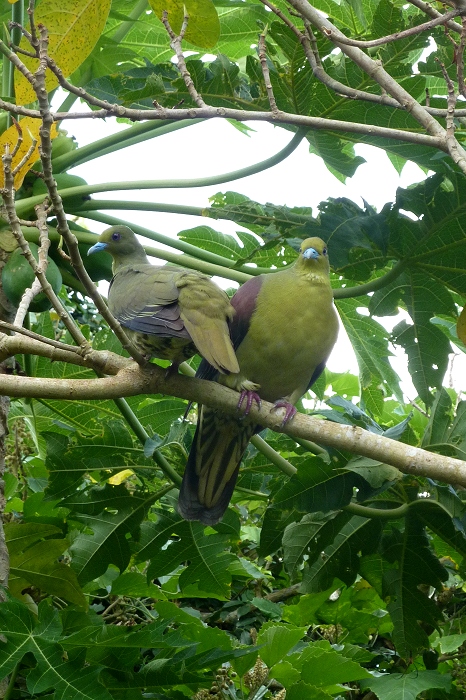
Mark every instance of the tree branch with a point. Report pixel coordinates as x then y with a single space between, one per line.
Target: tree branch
437 21
38 83
132 380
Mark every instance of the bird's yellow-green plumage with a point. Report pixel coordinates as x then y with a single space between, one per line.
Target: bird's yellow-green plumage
283 332
168 312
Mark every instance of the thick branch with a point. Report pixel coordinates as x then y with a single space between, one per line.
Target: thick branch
134 380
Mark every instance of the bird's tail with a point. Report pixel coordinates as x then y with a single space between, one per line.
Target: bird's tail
213 464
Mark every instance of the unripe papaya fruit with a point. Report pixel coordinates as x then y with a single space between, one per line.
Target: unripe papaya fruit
17 276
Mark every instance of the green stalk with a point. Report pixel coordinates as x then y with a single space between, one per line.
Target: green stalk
363 289
366 512
389 513
176 243
67 103
133 135
276 458
85 190
131 205
140 432
175 258
11 683
313 447
125 27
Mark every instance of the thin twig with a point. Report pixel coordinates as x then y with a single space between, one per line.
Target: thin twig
376 71
9 201
63 229
452 143
44 245
426 26
40 338
266 75
19 141
460 59
175 43
431 12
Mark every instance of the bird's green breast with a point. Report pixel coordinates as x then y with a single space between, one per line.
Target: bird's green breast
292 331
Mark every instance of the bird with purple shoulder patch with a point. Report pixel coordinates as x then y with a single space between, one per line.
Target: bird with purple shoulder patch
283 332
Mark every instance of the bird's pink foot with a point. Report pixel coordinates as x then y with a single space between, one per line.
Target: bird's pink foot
249 397
290 410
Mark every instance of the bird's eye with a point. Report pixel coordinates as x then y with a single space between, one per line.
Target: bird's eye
116 236
324 251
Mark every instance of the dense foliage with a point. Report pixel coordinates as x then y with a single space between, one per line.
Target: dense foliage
345 579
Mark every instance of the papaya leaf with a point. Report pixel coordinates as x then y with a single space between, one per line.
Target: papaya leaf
203 28
73 32
29 129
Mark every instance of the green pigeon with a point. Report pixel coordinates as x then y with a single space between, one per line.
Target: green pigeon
283 331
167 312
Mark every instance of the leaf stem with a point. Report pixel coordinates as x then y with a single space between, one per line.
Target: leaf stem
138 133
11 682
388 513
372 286
178 244
133 16
276 458
140 432
86 190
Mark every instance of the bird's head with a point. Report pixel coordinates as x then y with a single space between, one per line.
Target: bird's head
313 256
122 244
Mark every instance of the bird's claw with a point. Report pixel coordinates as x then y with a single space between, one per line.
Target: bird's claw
290 410
249 397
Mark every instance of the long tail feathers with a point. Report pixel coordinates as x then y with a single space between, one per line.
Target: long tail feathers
213 464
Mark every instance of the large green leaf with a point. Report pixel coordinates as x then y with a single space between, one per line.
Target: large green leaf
336 553
412 565
35 552
208 555
53 671
408 685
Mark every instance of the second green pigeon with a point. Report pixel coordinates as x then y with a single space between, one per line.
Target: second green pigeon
167 312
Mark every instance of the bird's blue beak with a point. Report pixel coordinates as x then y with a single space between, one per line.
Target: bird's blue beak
309 253
97 247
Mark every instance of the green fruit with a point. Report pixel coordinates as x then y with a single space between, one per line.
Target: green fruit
62 144
17 276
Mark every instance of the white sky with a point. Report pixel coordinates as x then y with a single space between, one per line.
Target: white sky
216 147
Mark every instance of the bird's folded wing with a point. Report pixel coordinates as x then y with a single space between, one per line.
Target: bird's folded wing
128 294
205 308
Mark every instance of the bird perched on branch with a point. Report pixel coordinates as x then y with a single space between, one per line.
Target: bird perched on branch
283 331
167 312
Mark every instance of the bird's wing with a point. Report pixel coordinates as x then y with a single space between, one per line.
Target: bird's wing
205 310
129 292
244 304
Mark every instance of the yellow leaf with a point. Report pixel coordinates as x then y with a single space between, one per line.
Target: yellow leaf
461 326
120 477
30 128
203 24
73 26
